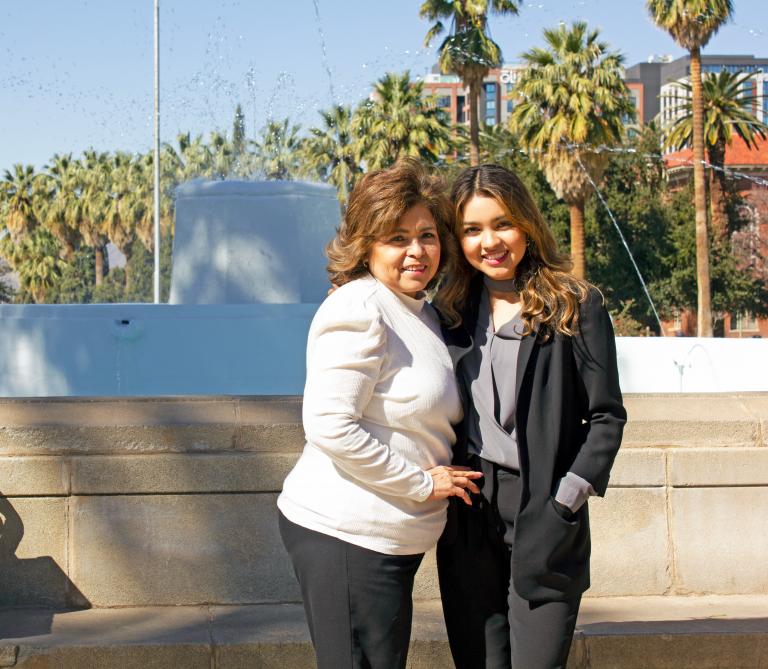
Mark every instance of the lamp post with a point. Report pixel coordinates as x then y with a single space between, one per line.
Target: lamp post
157 154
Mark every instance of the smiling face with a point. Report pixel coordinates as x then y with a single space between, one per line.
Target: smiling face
490 239
406 259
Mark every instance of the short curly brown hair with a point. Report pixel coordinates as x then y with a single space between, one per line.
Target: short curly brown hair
376 205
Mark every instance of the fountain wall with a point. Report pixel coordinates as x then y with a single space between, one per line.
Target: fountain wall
258 349
248 276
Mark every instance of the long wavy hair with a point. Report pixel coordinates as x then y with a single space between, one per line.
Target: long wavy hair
549 293
376 205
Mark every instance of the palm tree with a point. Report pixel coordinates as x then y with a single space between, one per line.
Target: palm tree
467 51
190 158
277 150
62 208
139 205
330 151
398 121
223 155
574 101
95 180
35 259
497 143
692 23
118 224
238 131
726 111
19 189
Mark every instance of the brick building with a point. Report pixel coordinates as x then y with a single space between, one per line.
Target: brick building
749 168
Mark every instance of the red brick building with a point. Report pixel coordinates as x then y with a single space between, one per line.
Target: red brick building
749 168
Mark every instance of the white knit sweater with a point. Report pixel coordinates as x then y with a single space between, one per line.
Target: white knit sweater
379 401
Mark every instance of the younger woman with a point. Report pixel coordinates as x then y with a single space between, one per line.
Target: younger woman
543 420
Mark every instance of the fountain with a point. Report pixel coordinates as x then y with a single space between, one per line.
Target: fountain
249 273
248 276
242 242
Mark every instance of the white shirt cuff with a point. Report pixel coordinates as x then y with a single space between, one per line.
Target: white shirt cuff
425 490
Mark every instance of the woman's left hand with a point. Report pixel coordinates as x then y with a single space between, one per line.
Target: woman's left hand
453 481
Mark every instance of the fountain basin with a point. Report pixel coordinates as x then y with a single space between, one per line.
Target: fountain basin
258 349
147 349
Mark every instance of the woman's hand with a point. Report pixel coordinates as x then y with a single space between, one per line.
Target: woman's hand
451 481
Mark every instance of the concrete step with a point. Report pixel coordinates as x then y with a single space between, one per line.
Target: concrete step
712 632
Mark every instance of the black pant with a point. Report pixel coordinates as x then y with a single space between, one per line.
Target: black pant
489 625
358 602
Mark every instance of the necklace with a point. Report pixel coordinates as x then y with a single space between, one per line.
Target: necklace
500 285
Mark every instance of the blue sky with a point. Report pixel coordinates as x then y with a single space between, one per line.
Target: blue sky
76 74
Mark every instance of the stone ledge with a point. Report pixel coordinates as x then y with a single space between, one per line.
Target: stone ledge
683 420
183 473
137 439
725 467
627 632
264 471
639 468
168 424
145 411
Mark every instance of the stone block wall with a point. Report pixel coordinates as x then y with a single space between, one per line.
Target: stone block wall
171 501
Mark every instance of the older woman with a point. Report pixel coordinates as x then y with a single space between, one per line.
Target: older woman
543 421
368 496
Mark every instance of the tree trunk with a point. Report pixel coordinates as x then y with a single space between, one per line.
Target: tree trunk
717 192
704 309
98 253
474 123
717 205
577 239
127 251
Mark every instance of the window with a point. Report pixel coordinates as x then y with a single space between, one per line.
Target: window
746 92
511 105
765 100
444 102
743 321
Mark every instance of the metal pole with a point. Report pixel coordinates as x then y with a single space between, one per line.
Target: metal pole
157 152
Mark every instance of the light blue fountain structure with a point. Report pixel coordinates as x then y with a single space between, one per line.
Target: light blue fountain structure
248 276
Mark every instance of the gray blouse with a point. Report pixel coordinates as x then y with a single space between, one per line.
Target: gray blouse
488 375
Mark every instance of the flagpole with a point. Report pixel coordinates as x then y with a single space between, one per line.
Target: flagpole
157 153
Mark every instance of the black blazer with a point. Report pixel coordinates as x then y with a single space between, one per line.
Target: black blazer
569 417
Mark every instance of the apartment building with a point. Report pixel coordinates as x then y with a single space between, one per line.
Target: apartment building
496 100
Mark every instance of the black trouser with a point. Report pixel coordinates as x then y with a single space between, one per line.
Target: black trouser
489 625
358 602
